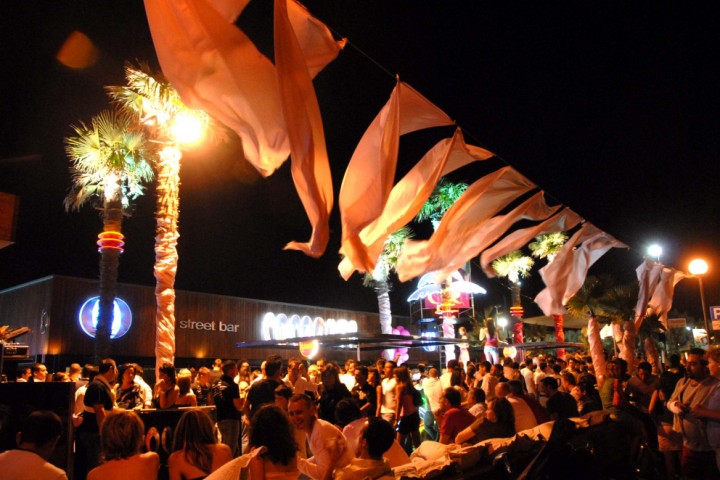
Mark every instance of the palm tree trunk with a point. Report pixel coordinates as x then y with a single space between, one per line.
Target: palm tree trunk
518 334
166 257
109 266
559 322
385 313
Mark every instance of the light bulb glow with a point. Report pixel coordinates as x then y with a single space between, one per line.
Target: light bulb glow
698 267
186 128
654 250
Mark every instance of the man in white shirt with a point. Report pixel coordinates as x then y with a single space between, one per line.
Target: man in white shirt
387 403
348 378
296 380
36 442
433 392
327 443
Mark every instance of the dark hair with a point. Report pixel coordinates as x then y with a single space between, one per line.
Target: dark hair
379 436
194 434
273 364
550 382
302 396
283 391
169 370
645 366
453 396
485 364
40 428
363 370
479 395
271 428
569 378
227 366
504 412
515 387
123 368
452 363
105 365
346 411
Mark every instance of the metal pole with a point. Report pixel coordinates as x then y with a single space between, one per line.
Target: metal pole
704 309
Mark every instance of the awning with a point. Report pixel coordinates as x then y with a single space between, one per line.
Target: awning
356 342
570 321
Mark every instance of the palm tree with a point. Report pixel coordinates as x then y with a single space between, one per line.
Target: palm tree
547 246
379 278
585 304
110 162
157 105
444 195
514 266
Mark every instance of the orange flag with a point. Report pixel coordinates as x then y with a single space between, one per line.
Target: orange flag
370 175
407 198
483 199
310 166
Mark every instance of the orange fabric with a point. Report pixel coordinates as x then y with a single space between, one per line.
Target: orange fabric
480 202
215 67
407 198
370 175
484 233
310 166
561 221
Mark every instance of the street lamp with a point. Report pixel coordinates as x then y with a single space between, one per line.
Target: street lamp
697 268
655 251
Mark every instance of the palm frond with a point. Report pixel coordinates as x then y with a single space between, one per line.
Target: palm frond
513 266
444 195
548 245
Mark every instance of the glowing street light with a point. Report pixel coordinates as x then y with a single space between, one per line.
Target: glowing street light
697 268
655 251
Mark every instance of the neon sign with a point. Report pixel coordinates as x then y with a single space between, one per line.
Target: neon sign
281 326
88 317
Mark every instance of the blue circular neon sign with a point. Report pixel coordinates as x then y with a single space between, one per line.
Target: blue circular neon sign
122 317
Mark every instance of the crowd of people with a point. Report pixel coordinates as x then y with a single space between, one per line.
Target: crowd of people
348 421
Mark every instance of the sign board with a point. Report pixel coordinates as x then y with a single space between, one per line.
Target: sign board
677 322
715 313
9 206
700 336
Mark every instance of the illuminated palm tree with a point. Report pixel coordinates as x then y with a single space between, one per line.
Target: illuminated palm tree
547 246
514 266
109 162
379 278
157 105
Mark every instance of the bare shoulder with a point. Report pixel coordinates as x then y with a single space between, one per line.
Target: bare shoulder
151 458
223 452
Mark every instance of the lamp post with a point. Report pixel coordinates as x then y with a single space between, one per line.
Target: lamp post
697 268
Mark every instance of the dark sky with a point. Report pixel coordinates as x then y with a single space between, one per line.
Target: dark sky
611 108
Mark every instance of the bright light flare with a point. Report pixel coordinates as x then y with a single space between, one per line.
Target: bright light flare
502 322
698 267
187 128
655 250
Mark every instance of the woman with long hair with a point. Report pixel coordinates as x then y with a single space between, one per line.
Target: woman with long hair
331 392
128 394
491 343
186 397
196 451
408 401
272 431
121 438
498 422
166 389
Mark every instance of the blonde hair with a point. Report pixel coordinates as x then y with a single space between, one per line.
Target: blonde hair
121 435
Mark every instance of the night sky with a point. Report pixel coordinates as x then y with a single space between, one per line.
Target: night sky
611 108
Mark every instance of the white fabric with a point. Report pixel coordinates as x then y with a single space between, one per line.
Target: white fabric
648 275
565 275
564 220
330 451
524 416
233 469
407 198
661 301
483 199
597 350
24 465
389 397
370 175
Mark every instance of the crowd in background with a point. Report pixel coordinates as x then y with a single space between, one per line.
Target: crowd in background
286 420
